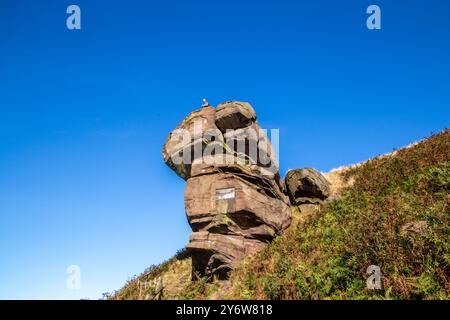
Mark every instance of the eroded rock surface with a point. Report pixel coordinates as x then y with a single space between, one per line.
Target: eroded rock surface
187 141
234 115
307 186
234 200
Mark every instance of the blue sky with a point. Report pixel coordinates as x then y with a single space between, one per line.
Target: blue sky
84 114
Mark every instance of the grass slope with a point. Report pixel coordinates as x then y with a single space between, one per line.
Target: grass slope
395 214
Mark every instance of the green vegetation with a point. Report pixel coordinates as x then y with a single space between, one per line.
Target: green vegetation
327 255
395 215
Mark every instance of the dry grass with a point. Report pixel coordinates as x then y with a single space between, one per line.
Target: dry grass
174 274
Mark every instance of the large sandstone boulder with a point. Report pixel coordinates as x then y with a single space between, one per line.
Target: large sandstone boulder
307 186
245 206
234 196
259 176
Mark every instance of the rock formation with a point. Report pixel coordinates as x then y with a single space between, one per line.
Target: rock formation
306 186
234 196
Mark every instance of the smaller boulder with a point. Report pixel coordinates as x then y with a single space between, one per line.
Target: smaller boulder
307 186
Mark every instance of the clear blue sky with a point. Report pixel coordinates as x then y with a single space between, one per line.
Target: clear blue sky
84 114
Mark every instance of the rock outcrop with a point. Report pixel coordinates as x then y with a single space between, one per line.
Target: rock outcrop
234 196
307 186
187 140
234 115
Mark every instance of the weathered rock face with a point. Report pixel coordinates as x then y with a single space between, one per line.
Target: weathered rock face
216 254
234 200
306 186
234 115
227 203
186 142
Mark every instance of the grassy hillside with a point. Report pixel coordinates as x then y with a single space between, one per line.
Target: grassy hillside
394 213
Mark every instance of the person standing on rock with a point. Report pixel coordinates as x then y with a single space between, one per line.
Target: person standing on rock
205 103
